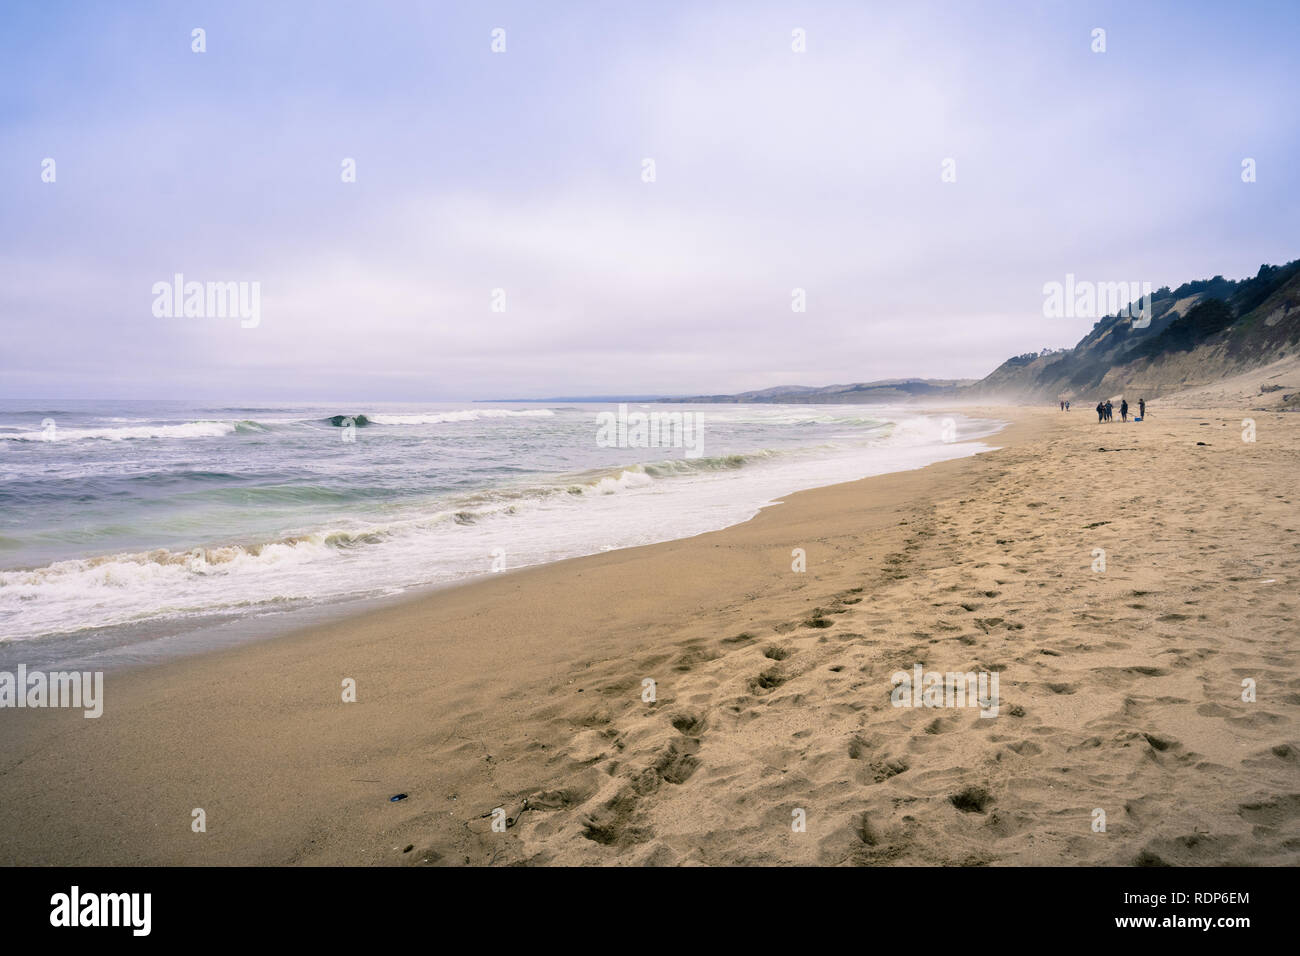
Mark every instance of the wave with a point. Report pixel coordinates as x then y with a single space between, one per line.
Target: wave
611 480
685 466
430 530
290 494
787 417
620 479
115 570
246 411
468 415
136 432
48 413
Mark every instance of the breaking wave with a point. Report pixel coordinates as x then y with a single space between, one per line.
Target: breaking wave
132 432
469 415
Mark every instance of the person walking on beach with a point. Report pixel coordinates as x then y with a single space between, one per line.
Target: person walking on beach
1110 410
1067 406
1142 408
1101 412
1062 404
1123 410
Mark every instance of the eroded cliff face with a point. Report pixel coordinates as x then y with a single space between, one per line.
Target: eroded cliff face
1194 338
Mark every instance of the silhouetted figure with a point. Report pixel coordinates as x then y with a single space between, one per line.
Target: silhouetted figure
1067 406
1142 408
1123 410
1110 411
1101 413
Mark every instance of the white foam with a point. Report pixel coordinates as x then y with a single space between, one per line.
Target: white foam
468 415
186 430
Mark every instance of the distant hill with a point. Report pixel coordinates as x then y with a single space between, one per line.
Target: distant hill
578 399
888 391
1199 333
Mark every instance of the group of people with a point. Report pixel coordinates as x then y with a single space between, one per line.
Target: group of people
1106 411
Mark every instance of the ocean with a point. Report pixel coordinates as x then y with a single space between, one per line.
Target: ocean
130 531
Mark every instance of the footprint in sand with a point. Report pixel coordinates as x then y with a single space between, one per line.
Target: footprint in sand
766 682
677 761
611 824
1213 710
971 800
691 725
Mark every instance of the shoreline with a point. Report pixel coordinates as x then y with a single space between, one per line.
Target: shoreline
523 691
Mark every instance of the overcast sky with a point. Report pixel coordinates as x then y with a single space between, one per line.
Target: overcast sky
523 171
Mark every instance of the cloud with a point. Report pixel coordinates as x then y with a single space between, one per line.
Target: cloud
522 172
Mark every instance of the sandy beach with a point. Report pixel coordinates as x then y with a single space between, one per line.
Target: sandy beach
1120 690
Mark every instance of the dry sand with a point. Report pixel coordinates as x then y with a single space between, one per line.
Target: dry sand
1120 690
